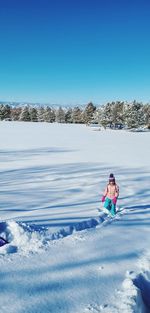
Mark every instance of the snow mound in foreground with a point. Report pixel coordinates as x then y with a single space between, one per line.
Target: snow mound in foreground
21 238
132 298
24 238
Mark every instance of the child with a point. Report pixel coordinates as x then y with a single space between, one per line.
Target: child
110 195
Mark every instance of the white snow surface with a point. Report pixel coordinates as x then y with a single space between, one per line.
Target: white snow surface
64 255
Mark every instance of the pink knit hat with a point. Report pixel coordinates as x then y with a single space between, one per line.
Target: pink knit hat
111 178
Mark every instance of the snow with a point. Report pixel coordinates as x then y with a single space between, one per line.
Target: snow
64 255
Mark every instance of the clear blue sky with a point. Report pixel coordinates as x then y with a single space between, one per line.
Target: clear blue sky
74 51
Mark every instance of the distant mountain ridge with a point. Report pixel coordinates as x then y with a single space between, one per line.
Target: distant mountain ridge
16 104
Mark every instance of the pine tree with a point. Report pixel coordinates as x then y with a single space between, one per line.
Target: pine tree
134 115
68 116
97 116
1 112
40 114
33 114
25 114
15 114
60 115
106 118
117 114
88 113
5 112
146 113
49 115
77 115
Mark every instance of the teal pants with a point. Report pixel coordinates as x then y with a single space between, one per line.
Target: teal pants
110 206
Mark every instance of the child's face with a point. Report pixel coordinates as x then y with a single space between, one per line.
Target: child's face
111 182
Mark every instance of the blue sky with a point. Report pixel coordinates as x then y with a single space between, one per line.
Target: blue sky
73 52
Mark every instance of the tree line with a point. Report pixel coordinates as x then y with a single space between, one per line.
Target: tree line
117 114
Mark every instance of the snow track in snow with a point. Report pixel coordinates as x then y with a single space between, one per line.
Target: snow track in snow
25 238
133 297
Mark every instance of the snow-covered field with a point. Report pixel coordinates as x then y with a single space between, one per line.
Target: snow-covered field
63 254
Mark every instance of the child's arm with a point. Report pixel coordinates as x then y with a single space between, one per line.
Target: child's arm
117 191
104 194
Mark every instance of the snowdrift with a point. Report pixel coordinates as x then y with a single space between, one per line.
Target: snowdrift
132 298
25 238
21 238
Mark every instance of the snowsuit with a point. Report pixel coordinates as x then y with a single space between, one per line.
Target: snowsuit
111 194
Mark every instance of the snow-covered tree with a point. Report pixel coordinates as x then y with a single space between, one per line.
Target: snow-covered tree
25 114
97 116
49 115
5 112
77 115
146 113
40 114
134 115
15 114
33 114
106 115
88 113
117 113
60 115
68 116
